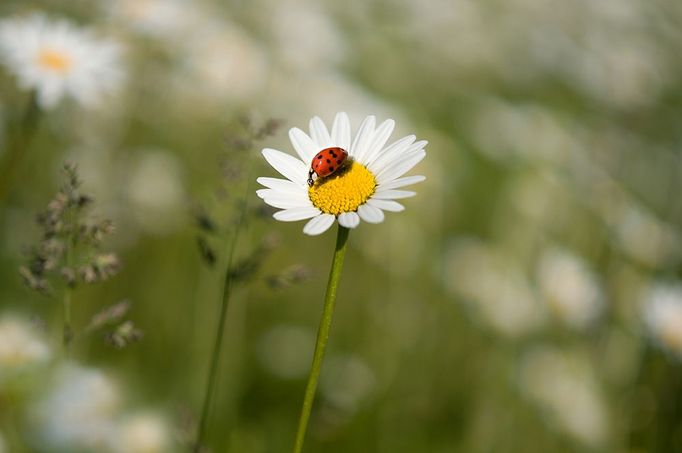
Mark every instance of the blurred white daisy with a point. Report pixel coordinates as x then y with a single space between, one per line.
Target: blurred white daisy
155 191
223 63
285 351
361 189
57 59
78 412
142 433
347 382
159 18
569 288
663 316
492 285
20 346
563 386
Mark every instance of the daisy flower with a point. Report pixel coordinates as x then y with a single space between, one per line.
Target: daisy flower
20 346
58 59
361 188
663 316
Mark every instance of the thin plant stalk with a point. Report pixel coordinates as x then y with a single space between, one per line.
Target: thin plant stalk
220 332
322 335
67 330
67 334
18 145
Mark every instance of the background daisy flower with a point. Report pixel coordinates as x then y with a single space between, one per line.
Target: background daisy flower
58 59
362 189
663 316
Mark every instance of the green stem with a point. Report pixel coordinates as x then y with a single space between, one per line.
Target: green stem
68 332
67 335
220 333
322 335
18 145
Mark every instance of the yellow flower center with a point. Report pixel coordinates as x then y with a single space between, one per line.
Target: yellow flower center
54 60
344 190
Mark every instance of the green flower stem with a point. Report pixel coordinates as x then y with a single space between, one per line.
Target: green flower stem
322 335
18 145
220 332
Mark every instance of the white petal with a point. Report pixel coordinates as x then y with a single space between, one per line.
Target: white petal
341 131
412 149
362 140
399 168
318 225
284 200
304 145
287 202
287 165
282 185
402 182
349 219
294 214
319 133
393 194
386 205
50 92
416 146
370 214
269 193
379 140
394 150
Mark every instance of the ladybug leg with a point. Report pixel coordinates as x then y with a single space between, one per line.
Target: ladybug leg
310 177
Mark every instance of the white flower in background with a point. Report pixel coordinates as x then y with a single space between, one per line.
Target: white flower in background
569 288
525 131
285 351
361 188
142 433
78 413
347 382
170 19
155 191
473 42
293 25
564 388
222 61
324 90
644 237
492 285
663 316
20 346
58 59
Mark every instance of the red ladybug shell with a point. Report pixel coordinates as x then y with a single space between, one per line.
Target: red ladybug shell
326 162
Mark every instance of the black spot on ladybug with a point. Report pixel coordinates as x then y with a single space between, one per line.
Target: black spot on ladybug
338 161
331 168
329 161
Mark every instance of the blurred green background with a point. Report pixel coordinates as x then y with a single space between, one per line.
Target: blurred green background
515 306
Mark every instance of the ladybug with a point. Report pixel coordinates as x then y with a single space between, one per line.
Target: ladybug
326 162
